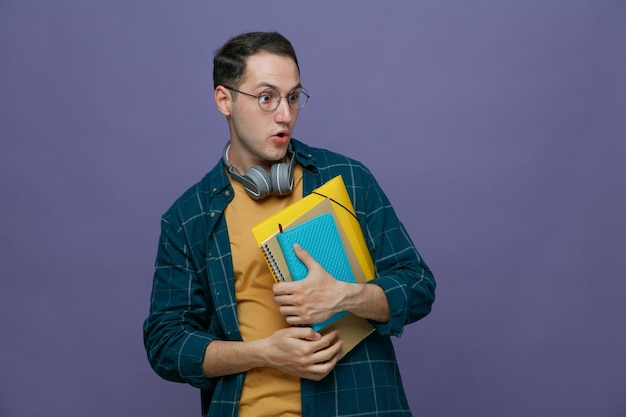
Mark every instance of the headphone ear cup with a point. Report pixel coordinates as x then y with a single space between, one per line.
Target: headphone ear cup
281 178
260 184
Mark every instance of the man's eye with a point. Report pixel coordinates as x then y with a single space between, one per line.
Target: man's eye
295 96
268 96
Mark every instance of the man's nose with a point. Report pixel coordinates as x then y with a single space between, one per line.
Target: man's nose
283 112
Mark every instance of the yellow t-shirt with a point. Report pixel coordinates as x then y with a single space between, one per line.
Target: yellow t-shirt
266 391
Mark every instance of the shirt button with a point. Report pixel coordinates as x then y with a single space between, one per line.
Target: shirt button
227 193
214 190
212 214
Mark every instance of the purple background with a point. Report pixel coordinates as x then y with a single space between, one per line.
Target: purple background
497 128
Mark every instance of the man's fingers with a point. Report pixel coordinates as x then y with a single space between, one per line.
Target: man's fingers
304 256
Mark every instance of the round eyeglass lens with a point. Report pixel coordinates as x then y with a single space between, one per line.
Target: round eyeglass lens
269 99
298 98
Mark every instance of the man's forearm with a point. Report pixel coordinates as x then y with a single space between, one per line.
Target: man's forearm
226 358
368 301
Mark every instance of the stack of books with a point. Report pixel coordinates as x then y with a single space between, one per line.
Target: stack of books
324 224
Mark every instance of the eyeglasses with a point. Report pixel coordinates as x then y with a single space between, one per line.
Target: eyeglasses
270 98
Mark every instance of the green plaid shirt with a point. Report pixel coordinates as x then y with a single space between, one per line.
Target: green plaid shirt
193 296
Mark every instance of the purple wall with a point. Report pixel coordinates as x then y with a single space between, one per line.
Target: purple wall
498 130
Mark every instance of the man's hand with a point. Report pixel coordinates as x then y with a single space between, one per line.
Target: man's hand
302 352
317 297
313 299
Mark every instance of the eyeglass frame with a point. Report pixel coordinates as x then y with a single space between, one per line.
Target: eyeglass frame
302 91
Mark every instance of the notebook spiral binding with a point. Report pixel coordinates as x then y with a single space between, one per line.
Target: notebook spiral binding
278 275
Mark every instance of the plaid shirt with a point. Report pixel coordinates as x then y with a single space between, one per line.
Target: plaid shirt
193 296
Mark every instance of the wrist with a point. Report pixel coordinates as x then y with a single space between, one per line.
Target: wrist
353 296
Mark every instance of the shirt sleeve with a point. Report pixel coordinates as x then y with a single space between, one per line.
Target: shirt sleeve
175 332
400 270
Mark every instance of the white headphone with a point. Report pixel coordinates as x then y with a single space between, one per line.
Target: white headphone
258 183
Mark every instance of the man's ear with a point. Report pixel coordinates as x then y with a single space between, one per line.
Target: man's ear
223 100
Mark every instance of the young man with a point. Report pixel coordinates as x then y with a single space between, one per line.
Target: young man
217 319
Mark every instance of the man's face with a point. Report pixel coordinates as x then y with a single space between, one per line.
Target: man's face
259 137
